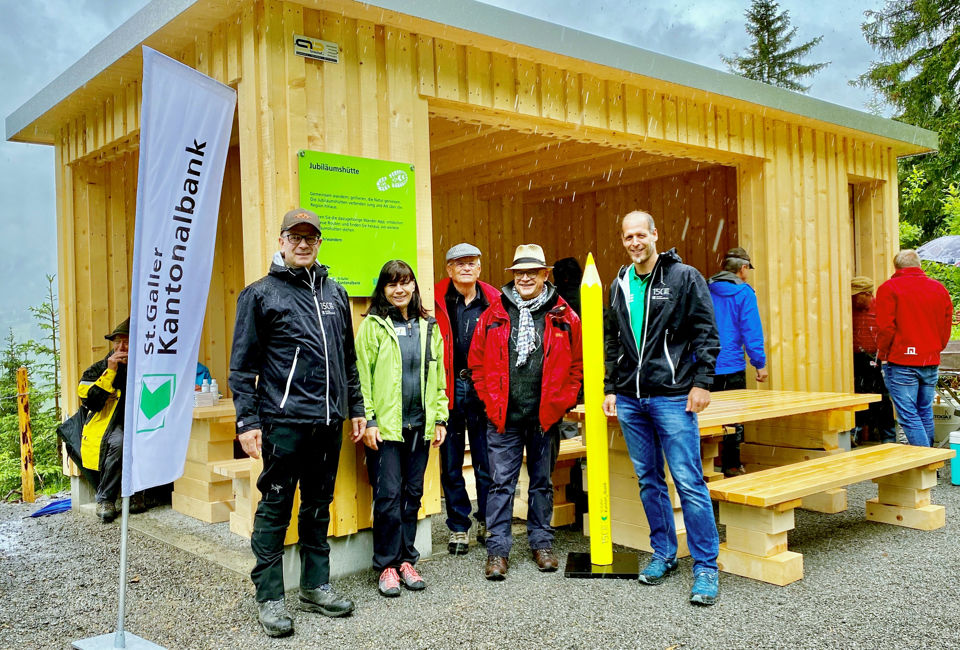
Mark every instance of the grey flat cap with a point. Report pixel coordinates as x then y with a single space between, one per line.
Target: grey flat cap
462 250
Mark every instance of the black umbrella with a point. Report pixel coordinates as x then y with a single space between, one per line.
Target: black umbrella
945 250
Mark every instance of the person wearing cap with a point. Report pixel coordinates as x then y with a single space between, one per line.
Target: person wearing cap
914 317
460 300
660 347
101 444
527 365
738 323
293 374
878 419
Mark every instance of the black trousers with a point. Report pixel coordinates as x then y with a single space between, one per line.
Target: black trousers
308 454
868 378
396 474
730 450
107 480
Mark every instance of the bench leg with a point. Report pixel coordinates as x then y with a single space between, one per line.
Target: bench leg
756 545
709 454
829 501
903 499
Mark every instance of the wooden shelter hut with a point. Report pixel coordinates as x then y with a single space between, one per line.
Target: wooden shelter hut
531 132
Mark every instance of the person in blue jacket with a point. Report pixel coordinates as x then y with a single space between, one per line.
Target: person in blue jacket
738 322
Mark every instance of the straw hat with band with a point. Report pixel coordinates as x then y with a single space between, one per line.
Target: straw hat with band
528 256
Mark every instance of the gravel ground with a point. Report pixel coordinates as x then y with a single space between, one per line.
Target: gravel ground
866 586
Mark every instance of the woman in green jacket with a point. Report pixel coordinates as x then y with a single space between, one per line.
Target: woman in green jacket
400 361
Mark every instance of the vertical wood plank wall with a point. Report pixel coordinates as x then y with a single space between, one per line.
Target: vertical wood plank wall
694 212
786 181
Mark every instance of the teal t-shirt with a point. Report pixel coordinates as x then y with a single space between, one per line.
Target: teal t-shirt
638 303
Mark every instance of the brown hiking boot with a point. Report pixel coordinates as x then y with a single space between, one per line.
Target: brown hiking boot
496 568
546 559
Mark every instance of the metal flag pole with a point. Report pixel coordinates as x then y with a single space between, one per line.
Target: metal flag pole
601 561
120 638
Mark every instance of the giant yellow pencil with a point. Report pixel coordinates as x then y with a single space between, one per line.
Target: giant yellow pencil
595 425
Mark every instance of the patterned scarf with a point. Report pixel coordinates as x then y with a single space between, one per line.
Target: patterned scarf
526 333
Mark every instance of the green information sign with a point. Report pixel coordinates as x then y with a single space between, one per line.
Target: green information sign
368 212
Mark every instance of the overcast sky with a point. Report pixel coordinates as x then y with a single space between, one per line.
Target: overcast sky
39 40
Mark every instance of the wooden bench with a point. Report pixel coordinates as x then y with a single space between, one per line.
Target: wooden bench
757 508
244 472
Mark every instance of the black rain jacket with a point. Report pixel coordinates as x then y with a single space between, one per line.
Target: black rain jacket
294 331
680 342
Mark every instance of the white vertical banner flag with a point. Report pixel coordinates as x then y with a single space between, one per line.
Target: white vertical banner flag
185 123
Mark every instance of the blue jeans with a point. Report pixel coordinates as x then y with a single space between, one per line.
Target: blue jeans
911 388
660 426
505 452
467 418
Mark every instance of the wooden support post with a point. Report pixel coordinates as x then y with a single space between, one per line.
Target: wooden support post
26 437
830 501
903 499
756 545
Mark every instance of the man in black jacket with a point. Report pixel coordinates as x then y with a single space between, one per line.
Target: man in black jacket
661 344
293 374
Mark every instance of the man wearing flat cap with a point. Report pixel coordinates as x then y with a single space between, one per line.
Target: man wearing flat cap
460 300
738 324
527 365
293 374
877 421
101 390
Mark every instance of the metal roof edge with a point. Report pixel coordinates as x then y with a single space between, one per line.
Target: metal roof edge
509 26
119 42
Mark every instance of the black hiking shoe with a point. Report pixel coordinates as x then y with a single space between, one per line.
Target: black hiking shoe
324 600
274 618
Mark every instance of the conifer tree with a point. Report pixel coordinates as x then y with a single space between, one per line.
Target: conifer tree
918 75
770 57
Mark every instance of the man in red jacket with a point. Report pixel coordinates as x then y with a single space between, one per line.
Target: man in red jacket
460 299
527 364
914 314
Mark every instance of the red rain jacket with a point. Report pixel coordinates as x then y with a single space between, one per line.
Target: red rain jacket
489 362
914 314
446 331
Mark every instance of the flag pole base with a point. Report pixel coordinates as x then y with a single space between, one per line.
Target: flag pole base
108 642
625 566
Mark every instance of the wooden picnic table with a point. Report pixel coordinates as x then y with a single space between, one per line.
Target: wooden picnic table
780 427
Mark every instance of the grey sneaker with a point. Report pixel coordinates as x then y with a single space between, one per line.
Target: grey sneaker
657 571
459 543
274 618
324 600
482 533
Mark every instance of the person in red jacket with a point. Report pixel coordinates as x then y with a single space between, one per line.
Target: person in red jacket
914 314
460 299
527 365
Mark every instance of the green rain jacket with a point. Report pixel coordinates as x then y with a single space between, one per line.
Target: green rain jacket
378 363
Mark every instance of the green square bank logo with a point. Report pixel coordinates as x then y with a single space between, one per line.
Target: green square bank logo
156 395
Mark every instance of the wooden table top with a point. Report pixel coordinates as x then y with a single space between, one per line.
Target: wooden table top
223 411
750 405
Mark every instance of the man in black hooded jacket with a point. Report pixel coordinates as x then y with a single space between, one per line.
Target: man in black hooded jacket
660 347
293 374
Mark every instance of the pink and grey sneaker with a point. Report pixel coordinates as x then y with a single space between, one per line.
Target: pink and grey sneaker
411 579
389 584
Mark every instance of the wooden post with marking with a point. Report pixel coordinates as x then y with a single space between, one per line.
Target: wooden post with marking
26 437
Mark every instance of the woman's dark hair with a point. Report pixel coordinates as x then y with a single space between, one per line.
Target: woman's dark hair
395 271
